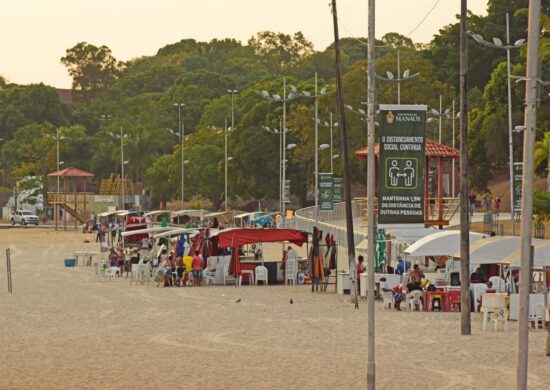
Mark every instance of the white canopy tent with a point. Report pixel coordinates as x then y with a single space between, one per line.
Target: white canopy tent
145 231
410 234
442 243
491 250
541 255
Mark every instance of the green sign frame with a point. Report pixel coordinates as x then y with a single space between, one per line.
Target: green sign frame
401 167
325 191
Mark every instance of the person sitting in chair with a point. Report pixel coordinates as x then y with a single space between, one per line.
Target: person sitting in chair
477 276
415 279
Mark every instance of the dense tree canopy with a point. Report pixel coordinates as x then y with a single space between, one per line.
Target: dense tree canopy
139 99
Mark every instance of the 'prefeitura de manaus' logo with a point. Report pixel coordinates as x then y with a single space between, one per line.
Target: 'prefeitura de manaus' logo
402 117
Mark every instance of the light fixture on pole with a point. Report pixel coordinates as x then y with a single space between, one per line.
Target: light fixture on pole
331 126
122 136
57 139
279 132
454 116
390 77
232 92
292 95
440 114
497 44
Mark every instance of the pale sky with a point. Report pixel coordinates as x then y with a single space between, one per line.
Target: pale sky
34 34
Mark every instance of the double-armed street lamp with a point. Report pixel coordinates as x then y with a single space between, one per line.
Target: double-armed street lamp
391 78
331 126
121 136
279 132
226 158
439 114
286 98
181 134
498 44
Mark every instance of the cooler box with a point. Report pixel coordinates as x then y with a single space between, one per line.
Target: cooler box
70 262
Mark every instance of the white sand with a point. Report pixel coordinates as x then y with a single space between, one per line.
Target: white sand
61 329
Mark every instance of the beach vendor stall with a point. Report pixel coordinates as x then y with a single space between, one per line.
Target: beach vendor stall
238 237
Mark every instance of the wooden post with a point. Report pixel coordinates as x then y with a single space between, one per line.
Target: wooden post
527 189
465 315
345 160
371 113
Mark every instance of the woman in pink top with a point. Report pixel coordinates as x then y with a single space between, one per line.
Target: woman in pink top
196 267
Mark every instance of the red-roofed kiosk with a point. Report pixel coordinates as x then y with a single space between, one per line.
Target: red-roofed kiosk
75 204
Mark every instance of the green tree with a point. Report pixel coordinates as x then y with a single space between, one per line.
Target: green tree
281 49
92 68
31 155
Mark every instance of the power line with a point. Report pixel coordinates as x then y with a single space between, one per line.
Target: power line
423 19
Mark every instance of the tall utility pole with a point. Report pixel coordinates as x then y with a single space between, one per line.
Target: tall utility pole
371 111
527 189
345 159
465 315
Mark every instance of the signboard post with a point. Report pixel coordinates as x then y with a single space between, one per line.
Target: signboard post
402 164
518 177
325 191
287 191
336 189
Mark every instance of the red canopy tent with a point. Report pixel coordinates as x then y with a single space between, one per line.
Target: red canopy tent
234 238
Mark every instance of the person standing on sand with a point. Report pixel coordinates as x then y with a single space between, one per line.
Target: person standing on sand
196 267
359 269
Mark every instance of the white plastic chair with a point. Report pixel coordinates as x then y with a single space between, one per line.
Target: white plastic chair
209 276
479 289
493 307
538 315
112 273
414 299
226 274
159 276
291 271
134 276
145 273
387 298
498 283
100 270
261 274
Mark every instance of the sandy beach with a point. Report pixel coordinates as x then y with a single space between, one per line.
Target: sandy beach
60 329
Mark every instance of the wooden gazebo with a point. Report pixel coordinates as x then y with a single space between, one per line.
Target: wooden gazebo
440 205
72 202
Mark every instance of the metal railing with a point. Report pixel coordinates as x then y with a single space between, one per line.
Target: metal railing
59 197
304 219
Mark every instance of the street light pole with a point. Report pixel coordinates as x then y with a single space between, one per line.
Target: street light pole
440 110
57 195
453 160
406 76
316 154
225 154
510 140
122 165
498 45
181 132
